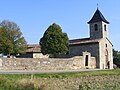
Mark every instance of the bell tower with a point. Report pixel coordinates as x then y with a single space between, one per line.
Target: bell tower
98 26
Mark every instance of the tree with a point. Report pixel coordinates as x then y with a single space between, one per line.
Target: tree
11 39
116 57
54 41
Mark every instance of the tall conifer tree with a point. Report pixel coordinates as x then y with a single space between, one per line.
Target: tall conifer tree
54 41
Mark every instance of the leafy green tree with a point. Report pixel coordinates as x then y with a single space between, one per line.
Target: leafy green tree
116 57
11 39
54 41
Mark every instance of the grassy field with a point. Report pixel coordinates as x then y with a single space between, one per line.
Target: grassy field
93 80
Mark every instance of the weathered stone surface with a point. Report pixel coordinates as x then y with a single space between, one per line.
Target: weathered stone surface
92 48
0 62
74 63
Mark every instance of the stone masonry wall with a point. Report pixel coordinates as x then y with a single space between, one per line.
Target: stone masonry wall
93 48
74 63
106 54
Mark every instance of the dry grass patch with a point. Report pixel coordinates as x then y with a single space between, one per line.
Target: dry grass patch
95 80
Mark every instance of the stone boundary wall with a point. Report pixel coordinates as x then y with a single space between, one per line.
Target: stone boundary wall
74 63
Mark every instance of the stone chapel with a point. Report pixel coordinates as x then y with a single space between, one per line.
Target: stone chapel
98 44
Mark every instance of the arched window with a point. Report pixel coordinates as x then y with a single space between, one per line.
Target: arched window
96 27
106 52
105 27
106 45
107 59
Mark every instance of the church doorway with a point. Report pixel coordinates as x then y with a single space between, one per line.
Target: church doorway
86 60
108 64
107 60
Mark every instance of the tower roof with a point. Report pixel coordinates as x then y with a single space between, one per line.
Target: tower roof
98 17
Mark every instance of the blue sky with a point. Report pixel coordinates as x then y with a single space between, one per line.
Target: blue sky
35 16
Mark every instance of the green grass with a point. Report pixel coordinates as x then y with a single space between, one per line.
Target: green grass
80 74
63 75
91 80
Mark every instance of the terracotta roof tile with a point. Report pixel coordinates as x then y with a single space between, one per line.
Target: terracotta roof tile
82 41
33 48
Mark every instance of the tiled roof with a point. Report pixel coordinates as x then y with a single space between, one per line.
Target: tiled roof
98 17
33 48
37 49
82 41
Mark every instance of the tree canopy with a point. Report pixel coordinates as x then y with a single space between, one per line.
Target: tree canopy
54 41
11 39
116 57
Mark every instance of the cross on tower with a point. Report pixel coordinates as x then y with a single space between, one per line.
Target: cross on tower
97 6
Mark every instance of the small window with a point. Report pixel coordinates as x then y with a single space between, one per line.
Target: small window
96 27
105 27
106 45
